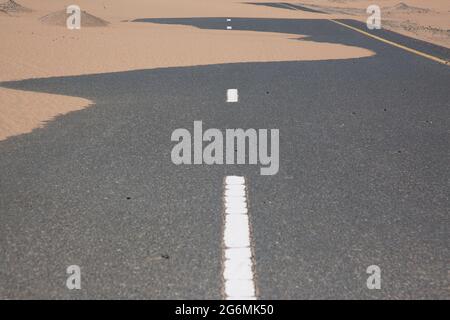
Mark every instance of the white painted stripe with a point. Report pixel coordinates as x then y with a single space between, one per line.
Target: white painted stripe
238 253
239 288
237 233
236 211
235 188
238 205
241 298
233 181
238 269
232 95
229 27
235 201
233 192
238 264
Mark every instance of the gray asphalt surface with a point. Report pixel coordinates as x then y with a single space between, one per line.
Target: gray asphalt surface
363 180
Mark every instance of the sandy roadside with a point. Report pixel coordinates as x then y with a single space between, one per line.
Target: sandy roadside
428 20
32 49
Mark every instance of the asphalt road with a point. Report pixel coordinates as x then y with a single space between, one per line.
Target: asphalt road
363 179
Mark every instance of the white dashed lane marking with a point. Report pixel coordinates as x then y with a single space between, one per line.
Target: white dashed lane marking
238 265
232 95
229 27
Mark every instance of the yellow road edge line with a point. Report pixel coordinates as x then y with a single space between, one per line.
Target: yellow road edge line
425 55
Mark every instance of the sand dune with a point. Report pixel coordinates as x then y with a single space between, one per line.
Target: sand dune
59 18
404 8
13 7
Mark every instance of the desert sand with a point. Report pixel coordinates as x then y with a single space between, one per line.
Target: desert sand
35 43
36 49
428 20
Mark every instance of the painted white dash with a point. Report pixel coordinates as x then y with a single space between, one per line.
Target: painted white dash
238 265
233 192
235 289
236 233
229 27
238 269
232 95
235 181
238 253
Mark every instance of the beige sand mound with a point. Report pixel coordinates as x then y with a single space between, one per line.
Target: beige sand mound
59 18
11 6
335 10
404 8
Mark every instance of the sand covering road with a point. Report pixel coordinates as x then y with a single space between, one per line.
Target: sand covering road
31 47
